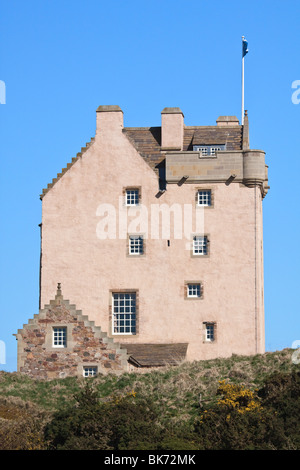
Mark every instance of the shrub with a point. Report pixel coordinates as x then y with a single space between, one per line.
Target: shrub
80 427
220 430
21 426
118 424
281 395
237 397
245 420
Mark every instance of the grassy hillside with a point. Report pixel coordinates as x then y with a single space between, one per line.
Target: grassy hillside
177 392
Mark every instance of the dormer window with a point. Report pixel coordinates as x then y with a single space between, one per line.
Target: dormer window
208 150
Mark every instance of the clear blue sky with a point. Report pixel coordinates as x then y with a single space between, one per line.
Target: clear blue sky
60 60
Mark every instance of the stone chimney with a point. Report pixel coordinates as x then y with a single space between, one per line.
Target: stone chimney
109 119
229 121
172 129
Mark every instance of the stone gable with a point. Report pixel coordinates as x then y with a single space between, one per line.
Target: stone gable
86 345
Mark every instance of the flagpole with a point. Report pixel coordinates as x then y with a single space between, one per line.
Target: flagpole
242 82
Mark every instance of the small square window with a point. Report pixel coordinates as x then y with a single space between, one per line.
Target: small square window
132 197
204 151
200 245
90 371
204 197
208 150
59 337
193 290
209 332
213 150
136 245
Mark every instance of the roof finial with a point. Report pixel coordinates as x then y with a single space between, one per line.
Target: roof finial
58 297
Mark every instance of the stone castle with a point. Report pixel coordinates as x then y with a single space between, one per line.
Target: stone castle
151 250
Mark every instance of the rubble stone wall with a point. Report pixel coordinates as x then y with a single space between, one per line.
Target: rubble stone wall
86 345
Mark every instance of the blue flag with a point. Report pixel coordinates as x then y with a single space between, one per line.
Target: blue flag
245 47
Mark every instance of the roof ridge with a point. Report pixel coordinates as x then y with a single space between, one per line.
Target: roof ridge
185 127
212 127
141 127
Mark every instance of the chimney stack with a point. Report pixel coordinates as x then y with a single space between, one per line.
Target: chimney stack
172 129
227 121
109 118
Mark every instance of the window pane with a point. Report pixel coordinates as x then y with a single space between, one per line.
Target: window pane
213 150
132 197
194 290
60 337
199 245
209 332
208 150
124 317
89 371
136 245
204 197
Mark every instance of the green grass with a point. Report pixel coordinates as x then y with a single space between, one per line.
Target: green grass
175 390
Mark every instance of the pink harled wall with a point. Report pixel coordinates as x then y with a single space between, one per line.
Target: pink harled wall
90 268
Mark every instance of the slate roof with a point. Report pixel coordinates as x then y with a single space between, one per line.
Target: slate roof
209 135
155 355
147 140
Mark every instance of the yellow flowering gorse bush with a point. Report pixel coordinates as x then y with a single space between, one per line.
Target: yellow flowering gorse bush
237 397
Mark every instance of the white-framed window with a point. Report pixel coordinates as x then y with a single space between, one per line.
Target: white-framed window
90 371
136 245
194 290
59 337
132 197
124 313
204 197
199 245
209 332
208 150
204 151
213 150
